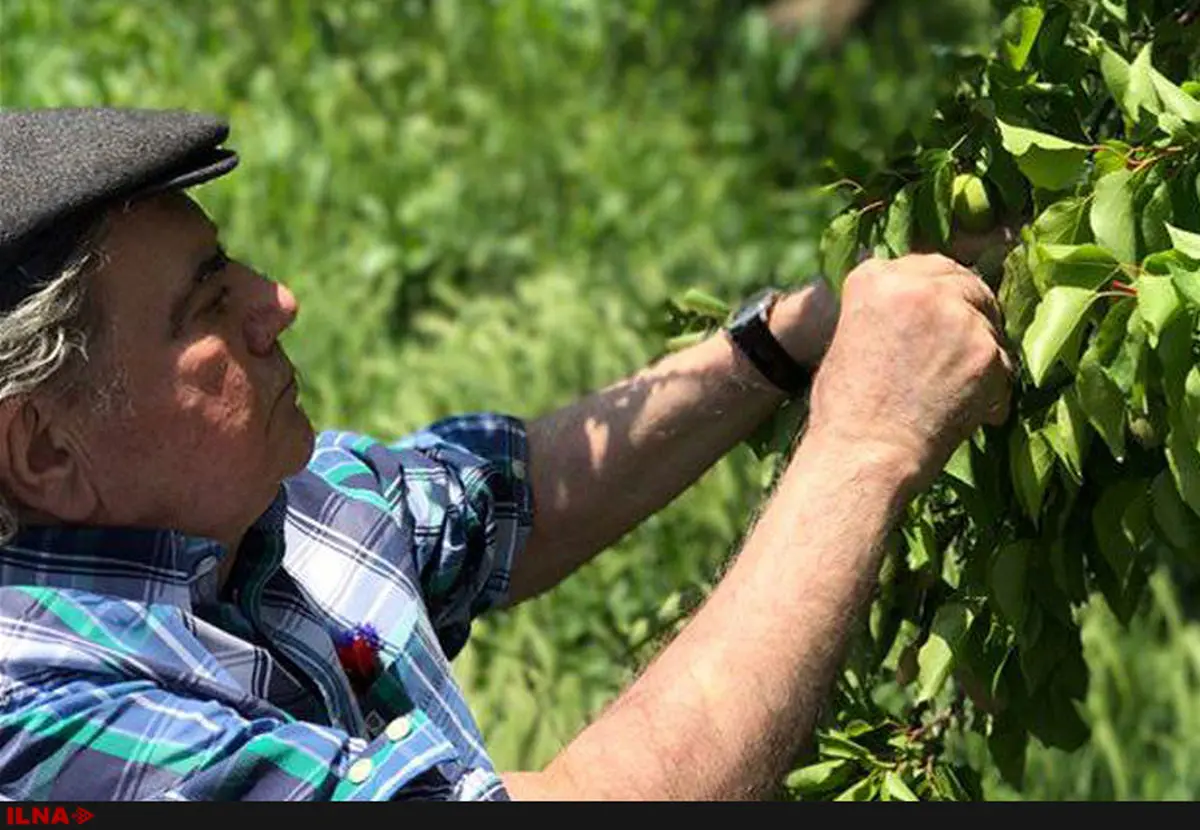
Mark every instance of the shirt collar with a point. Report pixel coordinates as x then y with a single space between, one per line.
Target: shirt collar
149 565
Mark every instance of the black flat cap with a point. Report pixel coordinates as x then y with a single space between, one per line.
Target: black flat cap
60 167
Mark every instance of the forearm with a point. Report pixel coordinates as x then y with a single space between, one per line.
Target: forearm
724 709
605 463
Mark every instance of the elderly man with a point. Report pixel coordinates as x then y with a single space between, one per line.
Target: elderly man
201 599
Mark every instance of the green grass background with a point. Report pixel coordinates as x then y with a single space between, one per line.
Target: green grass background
485 205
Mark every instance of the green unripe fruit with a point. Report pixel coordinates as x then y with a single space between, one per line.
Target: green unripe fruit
972 208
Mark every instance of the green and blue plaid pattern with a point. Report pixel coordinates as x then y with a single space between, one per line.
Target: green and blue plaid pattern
125 673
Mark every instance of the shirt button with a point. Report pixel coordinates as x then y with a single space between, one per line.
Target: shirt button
399 728
359 771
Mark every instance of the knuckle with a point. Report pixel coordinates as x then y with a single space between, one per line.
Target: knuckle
984 358
865 272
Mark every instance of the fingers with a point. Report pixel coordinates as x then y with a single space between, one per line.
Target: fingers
976 292
1000 376
973 288
1002 373
999 387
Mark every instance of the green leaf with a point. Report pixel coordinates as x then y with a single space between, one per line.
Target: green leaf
959 465
1186 242
1157 213
1069 434
1177 523
1007 743
839 248
1184 462
894 788
1018 295
1191 402
1112 215
836 745
1141 82
1174 354
922 542
821 777
1113 156
935 661
1021 29
1081 266
1059 314
934 199
1137 520
906 634
1046 160
1187 283
1131 85
1041 654
1116 8
704 304
1031 462
951 568
1104 403
1054 720
1127 365
1108 338
1158 303
1003 173
1108 525
1007 580
685 341
947 785
864 790
898 229
1063 223
1179 112
1066 561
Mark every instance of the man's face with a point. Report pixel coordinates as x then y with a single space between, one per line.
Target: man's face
205 422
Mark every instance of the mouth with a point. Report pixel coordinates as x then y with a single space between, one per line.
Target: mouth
289 388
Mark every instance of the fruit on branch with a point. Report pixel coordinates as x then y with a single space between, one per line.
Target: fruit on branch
972 207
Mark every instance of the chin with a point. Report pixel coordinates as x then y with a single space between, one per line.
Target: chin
304 442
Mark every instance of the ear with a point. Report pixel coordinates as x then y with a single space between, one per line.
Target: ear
47 471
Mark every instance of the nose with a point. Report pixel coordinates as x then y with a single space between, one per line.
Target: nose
272 311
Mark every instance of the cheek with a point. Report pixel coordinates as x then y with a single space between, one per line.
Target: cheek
205 371
213 391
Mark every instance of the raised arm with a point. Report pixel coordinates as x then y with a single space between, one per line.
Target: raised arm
915 366
603 464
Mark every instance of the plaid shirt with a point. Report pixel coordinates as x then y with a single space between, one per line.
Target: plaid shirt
125 673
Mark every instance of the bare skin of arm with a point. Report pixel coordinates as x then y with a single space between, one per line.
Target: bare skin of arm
916 365
603 464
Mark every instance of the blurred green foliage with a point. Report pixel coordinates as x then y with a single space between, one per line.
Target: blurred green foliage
485 205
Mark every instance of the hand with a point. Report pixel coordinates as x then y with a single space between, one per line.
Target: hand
916 365
804 321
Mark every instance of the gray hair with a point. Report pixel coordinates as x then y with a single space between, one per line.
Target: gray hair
46 337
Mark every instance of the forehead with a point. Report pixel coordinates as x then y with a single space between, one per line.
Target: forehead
172 214
149 247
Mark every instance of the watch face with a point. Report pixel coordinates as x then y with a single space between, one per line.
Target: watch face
754 307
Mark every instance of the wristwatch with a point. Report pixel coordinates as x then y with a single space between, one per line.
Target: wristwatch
747 329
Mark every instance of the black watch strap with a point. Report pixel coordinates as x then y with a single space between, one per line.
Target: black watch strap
750 333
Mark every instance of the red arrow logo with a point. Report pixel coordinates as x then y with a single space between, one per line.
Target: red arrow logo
81 815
